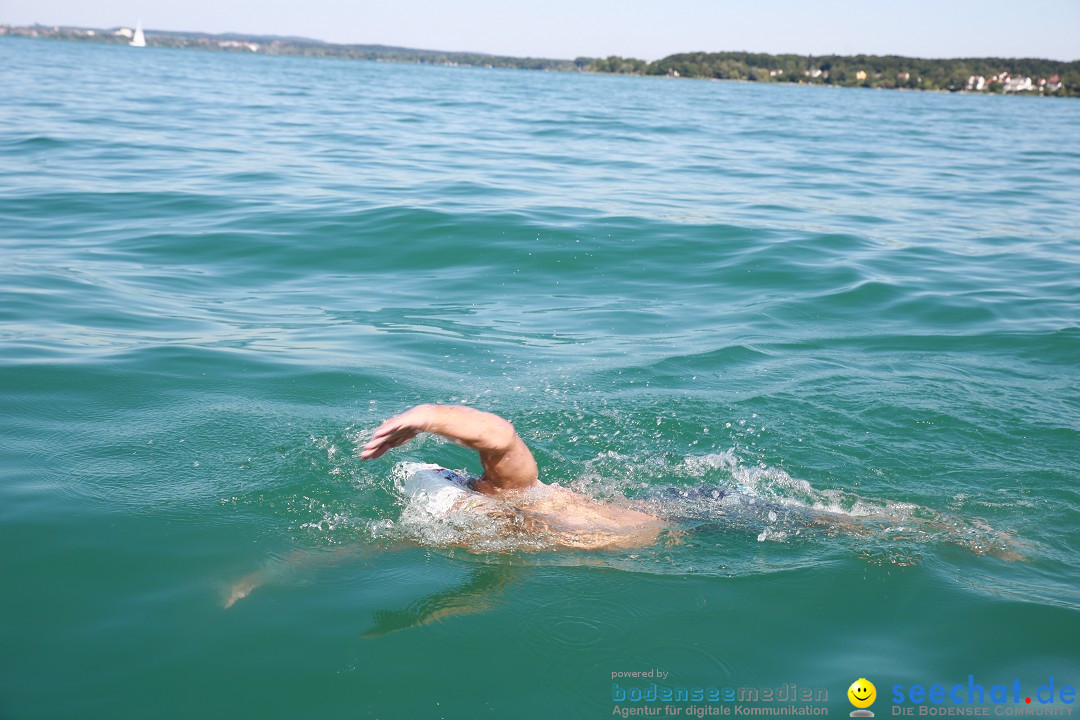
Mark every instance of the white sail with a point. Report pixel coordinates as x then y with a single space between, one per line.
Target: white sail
139 40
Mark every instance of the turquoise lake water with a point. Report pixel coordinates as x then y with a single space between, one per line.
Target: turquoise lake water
222 271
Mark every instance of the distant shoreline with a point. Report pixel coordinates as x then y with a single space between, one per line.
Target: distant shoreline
1021 76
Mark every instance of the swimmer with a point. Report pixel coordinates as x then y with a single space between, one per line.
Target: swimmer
549 516
555 515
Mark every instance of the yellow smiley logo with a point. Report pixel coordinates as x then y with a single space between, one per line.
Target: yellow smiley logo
862 693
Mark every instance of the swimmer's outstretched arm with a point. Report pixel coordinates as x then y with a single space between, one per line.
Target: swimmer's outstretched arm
508 463
480 594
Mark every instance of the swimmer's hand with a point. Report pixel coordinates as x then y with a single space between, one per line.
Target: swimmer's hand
242 588
396 431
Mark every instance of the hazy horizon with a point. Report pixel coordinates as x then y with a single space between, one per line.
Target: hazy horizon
601 28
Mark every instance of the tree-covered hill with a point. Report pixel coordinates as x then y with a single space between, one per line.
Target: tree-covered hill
873 71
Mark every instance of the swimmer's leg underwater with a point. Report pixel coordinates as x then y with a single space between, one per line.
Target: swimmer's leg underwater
716 509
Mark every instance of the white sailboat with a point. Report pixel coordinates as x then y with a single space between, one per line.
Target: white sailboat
139 40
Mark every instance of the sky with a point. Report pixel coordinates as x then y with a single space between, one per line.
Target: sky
647 29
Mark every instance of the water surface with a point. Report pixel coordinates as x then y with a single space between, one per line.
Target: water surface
221 271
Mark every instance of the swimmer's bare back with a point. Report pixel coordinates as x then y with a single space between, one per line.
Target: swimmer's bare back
510 474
